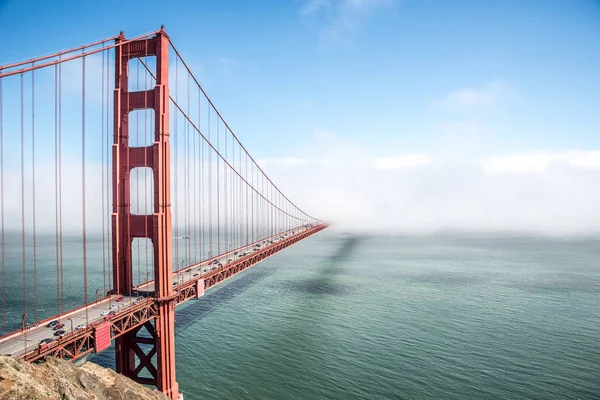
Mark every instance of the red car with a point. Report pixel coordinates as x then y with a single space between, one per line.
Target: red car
57 327
120 299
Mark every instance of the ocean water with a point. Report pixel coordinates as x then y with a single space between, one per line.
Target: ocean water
340 316
362 317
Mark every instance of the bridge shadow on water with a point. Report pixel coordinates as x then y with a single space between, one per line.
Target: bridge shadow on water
324 282
198 309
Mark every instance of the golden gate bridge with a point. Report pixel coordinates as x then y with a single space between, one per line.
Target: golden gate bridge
113 151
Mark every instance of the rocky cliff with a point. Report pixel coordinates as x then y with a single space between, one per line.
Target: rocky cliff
57 379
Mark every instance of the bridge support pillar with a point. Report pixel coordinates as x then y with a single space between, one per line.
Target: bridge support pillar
156 366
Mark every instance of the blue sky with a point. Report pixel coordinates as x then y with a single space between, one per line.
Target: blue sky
381 73
417 115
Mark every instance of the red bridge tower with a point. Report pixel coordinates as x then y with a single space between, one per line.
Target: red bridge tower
156 226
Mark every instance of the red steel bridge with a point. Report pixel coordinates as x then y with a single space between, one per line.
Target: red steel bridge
183 208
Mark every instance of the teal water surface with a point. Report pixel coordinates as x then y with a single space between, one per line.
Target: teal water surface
342 316
362 317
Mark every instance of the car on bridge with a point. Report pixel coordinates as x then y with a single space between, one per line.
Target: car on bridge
80 327
104 313
52 323
46 340
120 299
59 333
57 327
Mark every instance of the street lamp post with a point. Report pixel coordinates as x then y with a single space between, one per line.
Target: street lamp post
23 321
97 294
25 332
71 321
181 270
147 282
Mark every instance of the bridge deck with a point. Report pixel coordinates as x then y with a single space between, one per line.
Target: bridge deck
134 310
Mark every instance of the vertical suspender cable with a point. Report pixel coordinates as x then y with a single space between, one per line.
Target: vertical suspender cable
225 170
110 183
56 188
24 272
2 212
187 184
218 197
127 139
107 173
102 176
209 191
201 150
246 201
60 219
253 195
85 288
232 189
35 299
195 204
137 172
147 140
186 180
175 193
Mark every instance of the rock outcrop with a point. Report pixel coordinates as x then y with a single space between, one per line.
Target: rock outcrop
60 380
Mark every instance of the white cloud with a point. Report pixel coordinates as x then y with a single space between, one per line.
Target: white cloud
475 97
313 6
548 193
265 162
336 20
539 162
399 162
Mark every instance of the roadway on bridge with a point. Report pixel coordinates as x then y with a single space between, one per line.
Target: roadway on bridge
19 342
196 271
30 338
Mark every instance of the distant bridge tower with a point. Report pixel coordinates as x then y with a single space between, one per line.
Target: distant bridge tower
156 226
